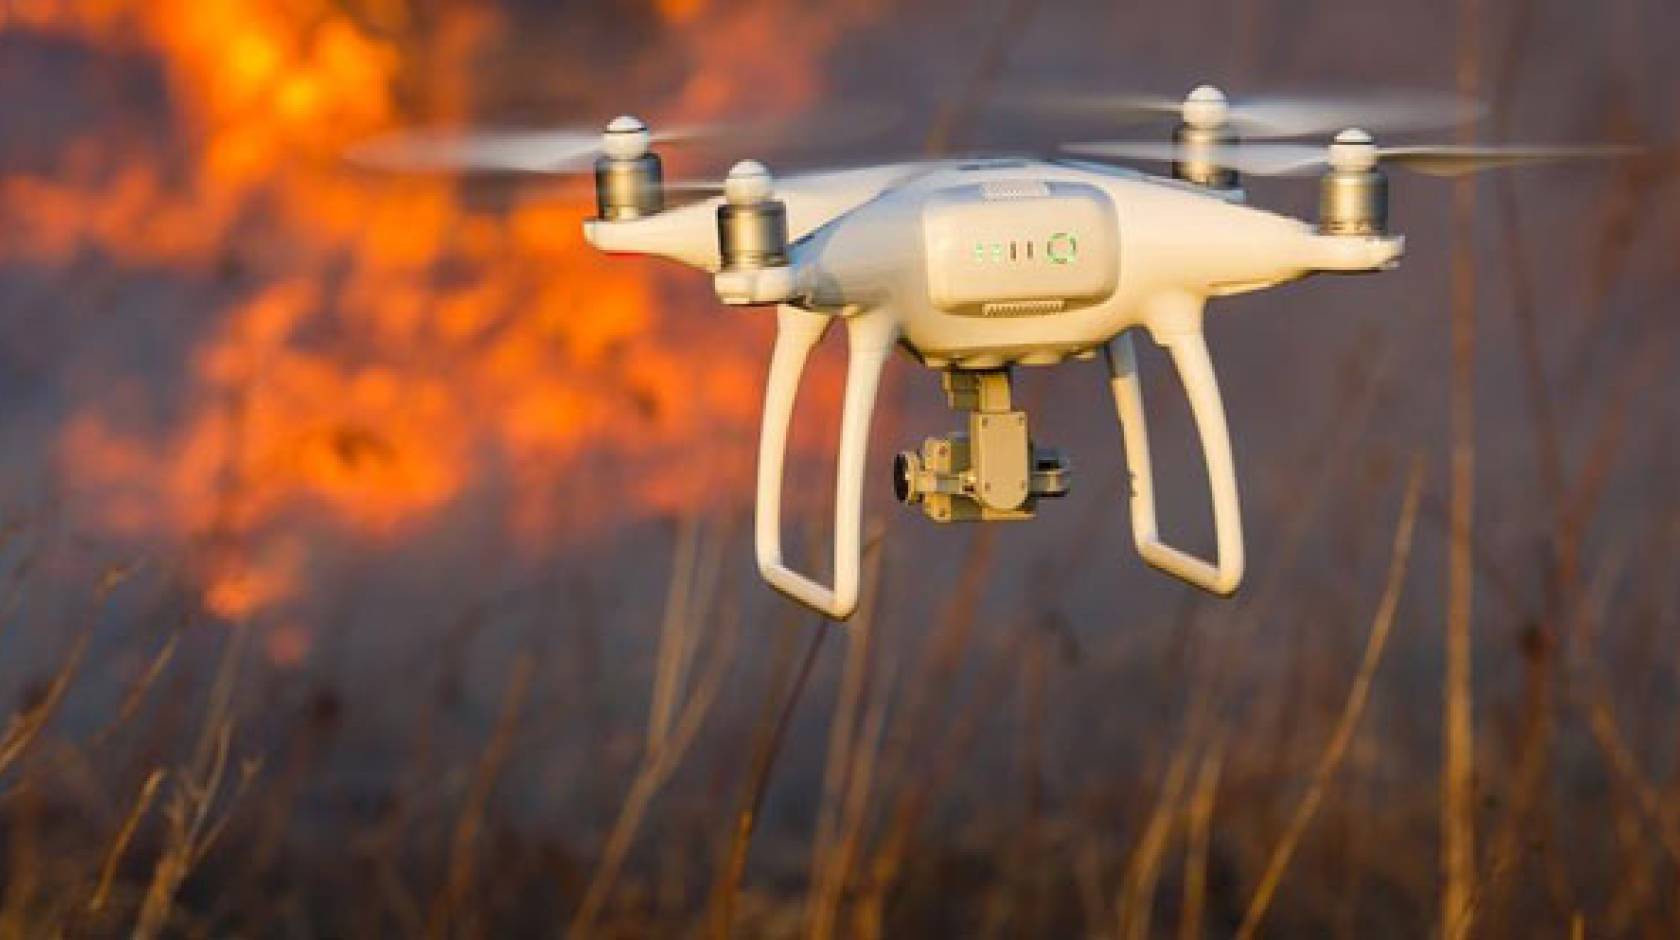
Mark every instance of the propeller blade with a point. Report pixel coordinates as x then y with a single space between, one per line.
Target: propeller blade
819 180
574 149
1269 116
1110 106
1459 159
1301 116
829 124
1287 159
1253 159
553 151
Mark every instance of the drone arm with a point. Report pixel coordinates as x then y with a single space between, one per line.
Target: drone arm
869 338
1195 369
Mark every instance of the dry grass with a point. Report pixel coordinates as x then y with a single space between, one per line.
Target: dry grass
1381 624
674 721
1244 826
1458 756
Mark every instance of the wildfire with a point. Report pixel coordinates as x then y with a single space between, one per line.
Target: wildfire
381 350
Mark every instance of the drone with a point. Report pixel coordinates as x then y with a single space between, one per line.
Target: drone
977 266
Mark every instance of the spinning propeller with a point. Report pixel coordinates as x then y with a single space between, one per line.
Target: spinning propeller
1353 192
1261 116
563 150
629 176
1352 149
574 150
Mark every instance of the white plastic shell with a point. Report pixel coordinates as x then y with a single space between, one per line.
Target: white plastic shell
1020 248
890 253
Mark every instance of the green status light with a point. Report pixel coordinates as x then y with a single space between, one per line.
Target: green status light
1062 248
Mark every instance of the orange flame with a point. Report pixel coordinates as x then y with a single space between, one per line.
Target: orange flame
392 349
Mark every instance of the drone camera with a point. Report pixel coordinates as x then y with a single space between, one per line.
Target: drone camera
992 472
944 479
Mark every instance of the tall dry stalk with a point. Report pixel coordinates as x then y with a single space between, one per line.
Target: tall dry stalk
1590 694
938 759
770 740
1136 902
1027 870
22 729
842 764
1571 506
854 675
929 696
772 732
669 660
125 835
463 846
1458 850
1198 822
665 752
1352 711
853 813
193 825
1215 692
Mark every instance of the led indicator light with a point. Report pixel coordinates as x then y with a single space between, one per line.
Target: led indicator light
1061 248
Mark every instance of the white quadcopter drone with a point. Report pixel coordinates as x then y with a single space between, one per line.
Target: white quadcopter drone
976 266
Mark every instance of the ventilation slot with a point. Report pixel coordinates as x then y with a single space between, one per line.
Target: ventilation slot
1020 308
1014 189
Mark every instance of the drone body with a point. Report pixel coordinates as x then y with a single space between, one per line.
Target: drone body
989 263
976 267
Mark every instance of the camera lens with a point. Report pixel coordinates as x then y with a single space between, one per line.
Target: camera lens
904 471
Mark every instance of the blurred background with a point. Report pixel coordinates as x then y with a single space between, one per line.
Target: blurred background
375 556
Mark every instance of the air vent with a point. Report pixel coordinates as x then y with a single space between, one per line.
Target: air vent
1014 189
1020 308
999 164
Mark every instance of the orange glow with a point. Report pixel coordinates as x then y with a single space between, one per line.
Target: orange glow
384 348
240 592
288 644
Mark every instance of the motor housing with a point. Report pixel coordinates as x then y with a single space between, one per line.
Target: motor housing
1353 195
752 224
1198 147
629 178
1353 202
